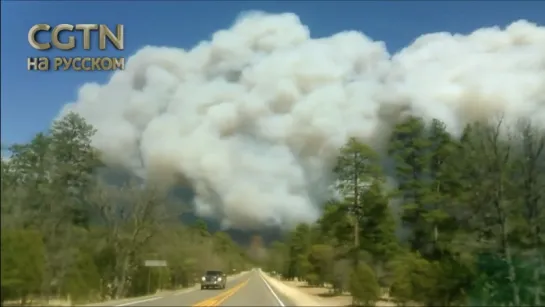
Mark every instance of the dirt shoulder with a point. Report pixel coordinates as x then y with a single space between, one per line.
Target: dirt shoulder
304 295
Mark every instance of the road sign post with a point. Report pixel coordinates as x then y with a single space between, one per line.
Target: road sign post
150 264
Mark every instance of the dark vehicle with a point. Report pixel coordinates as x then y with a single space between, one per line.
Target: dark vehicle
214 279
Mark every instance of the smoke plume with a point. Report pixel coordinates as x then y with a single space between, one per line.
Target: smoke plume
252 119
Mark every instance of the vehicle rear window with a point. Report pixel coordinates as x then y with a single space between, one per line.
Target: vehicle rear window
213 273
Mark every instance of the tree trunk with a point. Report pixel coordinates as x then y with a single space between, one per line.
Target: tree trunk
538 290
121 278
356 213
509 259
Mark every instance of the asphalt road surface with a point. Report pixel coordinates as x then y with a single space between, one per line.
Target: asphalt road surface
247 290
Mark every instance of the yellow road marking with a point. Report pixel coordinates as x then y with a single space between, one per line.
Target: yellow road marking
220 298
216 300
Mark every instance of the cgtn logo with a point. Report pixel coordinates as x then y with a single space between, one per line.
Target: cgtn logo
78 63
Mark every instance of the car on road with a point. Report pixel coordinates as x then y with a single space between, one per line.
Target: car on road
214 279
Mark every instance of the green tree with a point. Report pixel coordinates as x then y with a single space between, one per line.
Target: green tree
440 224
22 264
492 202
321 259
411 151
201 226
277 260
529 235
363 286
356 169
298 250
378 237
50 175
414 279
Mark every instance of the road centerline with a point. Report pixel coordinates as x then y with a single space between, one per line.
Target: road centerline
218 299
225 297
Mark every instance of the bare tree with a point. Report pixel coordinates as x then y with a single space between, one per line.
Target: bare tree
132 215
531 168
493 148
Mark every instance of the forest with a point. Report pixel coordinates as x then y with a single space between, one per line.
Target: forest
429 219
461 226
70 235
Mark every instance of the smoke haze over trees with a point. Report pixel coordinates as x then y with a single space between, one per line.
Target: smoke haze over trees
251 120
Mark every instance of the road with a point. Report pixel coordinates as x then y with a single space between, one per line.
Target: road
249 289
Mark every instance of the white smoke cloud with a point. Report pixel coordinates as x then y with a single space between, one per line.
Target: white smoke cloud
252 119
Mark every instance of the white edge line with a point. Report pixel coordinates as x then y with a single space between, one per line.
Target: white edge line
271 289
188 290
141 301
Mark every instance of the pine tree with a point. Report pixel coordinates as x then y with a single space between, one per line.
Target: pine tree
410 149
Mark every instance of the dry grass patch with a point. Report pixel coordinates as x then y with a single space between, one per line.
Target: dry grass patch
327 297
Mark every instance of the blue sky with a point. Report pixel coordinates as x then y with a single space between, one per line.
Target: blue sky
30 100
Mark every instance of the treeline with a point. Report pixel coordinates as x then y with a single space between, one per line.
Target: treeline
67 234
463 224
